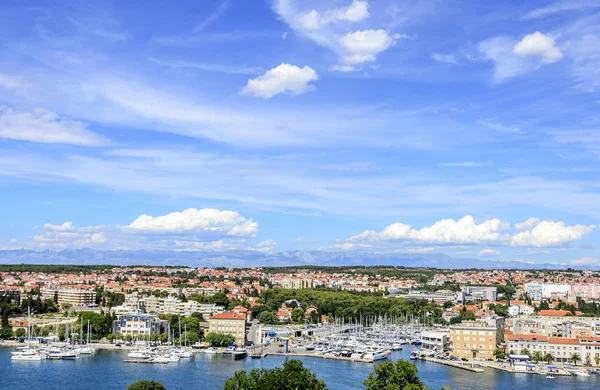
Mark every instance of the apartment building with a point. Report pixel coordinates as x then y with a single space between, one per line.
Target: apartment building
557 326
539 291
471 293
173 305
72 296
435 341
139 325
473 339
588 348
229 323
296 283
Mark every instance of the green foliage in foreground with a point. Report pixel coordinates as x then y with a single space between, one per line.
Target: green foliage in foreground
146 385
401 375
293 376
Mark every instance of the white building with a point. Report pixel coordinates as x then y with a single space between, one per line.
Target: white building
435 341
517 310
539 291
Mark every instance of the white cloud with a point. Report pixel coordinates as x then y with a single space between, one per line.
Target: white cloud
364 46
585 261
45 127
538 45
446 231
528 224
12 82
208 221
445 58
65 227
513 58
314 20
489 252
548 233
284 78
264 246
562 6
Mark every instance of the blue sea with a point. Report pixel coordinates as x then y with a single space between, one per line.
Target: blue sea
106 370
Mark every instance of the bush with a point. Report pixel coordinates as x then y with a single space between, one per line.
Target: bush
146 385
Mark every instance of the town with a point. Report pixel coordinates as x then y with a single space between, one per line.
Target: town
460 317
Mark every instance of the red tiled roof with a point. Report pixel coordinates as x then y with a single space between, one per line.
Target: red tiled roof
527 337
560 313
561 340
228 316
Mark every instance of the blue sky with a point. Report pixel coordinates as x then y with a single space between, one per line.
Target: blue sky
463 127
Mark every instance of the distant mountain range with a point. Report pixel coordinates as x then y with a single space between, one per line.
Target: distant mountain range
253 258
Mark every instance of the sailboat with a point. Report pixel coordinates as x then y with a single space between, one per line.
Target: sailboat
28 354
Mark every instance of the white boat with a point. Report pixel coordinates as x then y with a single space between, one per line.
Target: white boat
173 359
27 356
550 376
161 359
182 353
85 350
211 351
138 355
580 373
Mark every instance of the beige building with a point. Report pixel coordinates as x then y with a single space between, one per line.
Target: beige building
557 326
229 323
72 296
588 348
473 339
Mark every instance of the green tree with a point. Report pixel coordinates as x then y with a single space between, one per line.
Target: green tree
298 315
6 332
401 375
146 385
293 376
500 353
548 358
266 317
219 340
537 356
597 359
588 360
20 333
575 358
525 351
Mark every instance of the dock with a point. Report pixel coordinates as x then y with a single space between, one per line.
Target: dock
462 365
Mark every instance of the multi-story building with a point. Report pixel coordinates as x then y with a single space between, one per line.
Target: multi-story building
229 323
556 325
296 283
479 292
539 291
517 310
560 348
586 291
435 341
139 325
473 339
172 305
72 296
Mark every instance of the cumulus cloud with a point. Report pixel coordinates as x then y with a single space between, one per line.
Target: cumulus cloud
314 20
548 233
264 246
284 78
527 224
67 226
538 45
192 220
446 231
45 127
489 252
513 58
364 46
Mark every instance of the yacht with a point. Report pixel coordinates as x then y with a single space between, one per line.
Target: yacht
550 376
138 355
580 373
29 355
211 351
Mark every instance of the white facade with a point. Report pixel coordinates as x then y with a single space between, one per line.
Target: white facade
435 341
516 310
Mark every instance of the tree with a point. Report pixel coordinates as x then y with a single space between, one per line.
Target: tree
219 340
537 356
597 359
575 358
525 351
266 317
20 332
548 358
298 315
293 376
146 385
401 375
500 353
588 360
